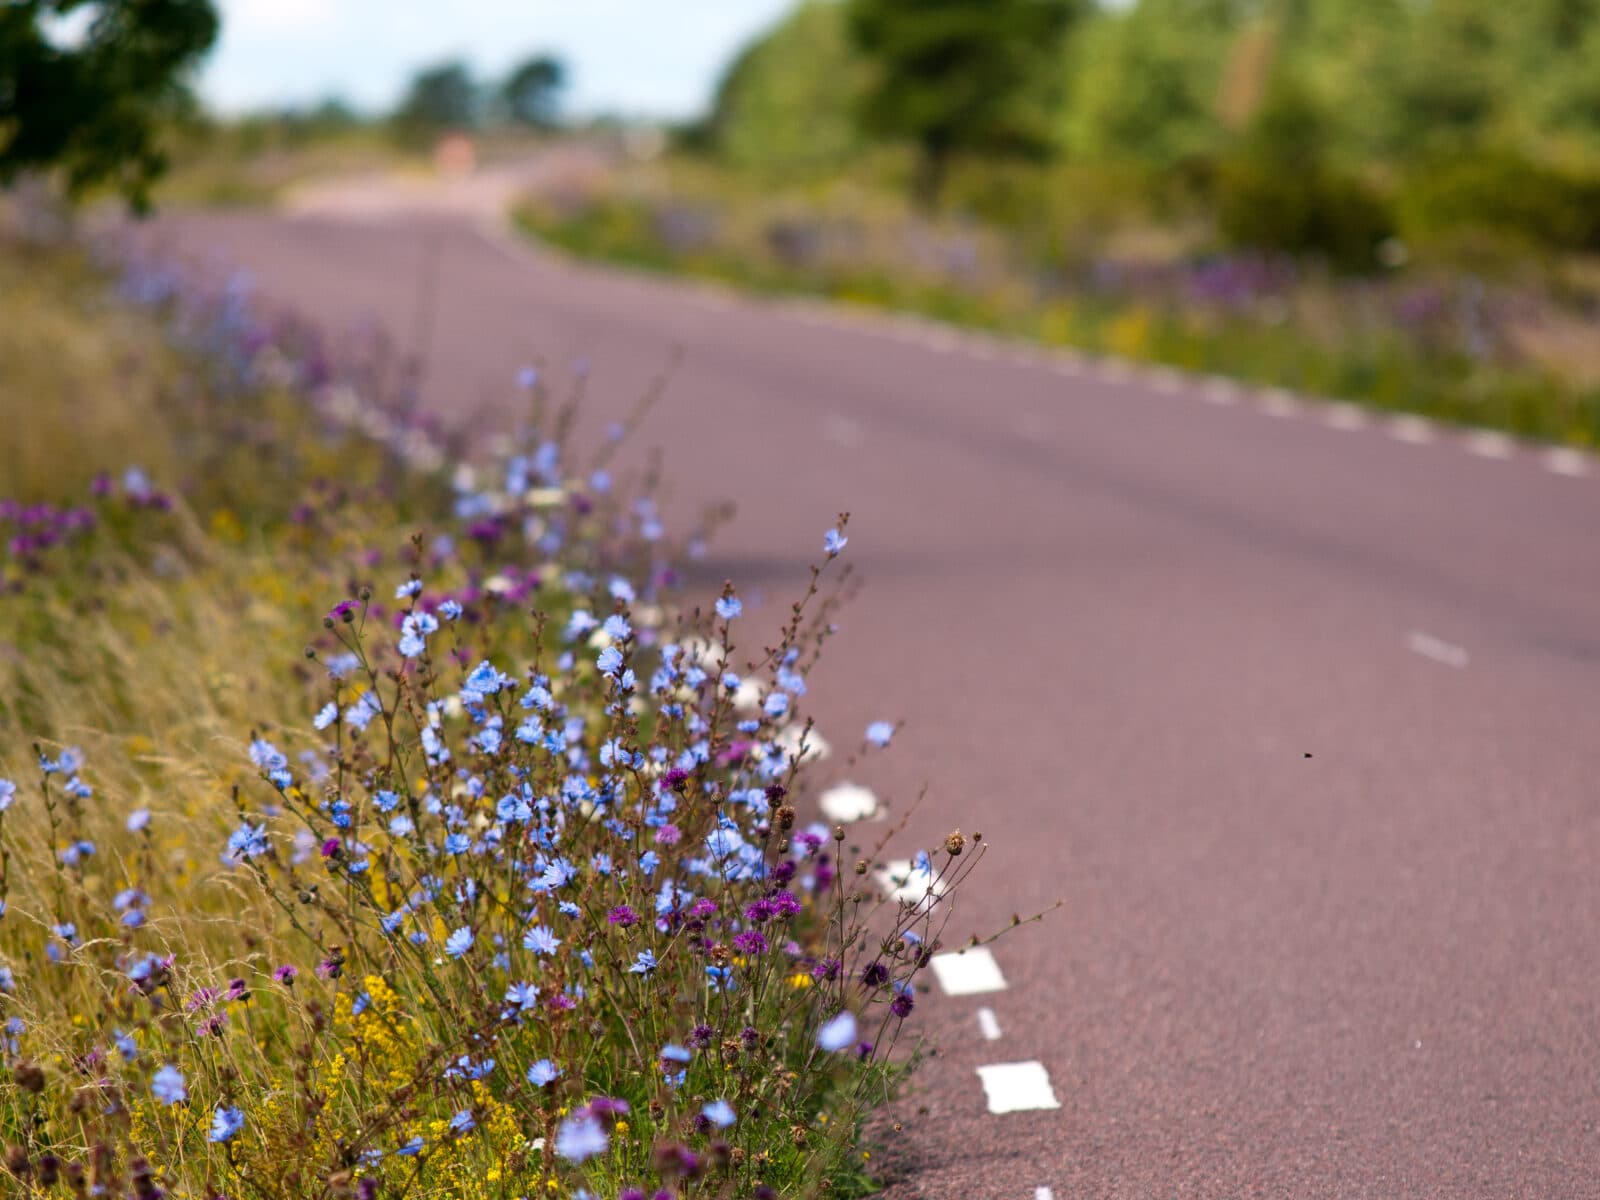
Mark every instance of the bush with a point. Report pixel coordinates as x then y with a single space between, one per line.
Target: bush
1321 213
1276 191
1505 197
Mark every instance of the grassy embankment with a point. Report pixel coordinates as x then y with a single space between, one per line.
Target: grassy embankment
1500 351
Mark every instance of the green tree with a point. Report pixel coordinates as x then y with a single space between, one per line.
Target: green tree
1148 81
1276 189
531 94
1556 61
93 105
1452 85
1351 55
787 103
960 76
440 97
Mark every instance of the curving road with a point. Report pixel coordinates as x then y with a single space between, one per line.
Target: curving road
1298 712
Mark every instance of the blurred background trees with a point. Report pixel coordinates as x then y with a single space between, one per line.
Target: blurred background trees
85 88
787 102
441 97
953 76
531 93
1322 128
1319 127
446 97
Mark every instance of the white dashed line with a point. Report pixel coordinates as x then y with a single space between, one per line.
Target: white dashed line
968 972
1279 402
1487 444
1566 462
848 802
1043 1194
1346 417
988 1025
1414 431
1017 1087
1439 650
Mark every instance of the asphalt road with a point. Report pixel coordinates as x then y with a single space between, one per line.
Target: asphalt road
1300 721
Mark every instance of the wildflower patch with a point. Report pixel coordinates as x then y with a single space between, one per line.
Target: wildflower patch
415 835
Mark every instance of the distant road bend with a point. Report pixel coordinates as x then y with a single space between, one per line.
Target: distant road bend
1297 709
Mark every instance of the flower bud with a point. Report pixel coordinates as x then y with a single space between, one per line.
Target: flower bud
29 1077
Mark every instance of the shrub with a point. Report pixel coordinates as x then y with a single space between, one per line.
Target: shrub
1323 213
1505 197
1276 191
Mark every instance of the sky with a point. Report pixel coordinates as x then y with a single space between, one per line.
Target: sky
652 58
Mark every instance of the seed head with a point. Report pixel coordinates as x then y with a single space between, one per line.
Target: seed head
955 843
17 1162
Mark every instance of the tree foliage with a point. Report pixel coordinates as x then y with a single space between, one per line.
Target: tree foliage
1313 126
442 96
960 76
531 94
786 104
1277 190
91 103
1146 83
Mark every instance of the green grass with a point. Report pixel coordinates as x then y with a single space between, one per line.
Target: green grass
255 167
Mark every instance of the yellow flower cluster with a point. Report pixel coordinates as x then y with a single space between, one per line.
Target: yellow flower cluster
385 1030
